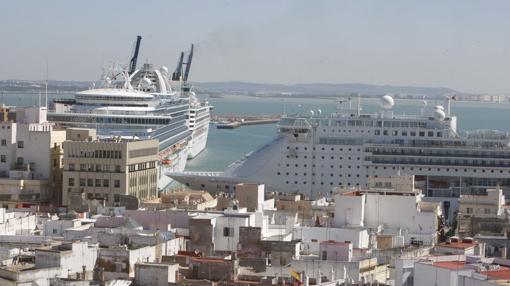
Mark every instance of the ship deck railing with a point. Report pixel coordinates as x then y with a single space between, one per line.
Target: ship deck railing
432 163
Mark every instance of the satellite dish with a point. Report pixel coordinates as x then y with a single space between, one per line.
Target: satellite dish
387 102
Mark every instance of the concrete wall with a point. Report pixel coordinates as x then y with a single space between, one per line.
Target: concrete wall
72 261
57 227
358 237
426 275
148 274
337 251
349 210
202 235
228 243
250 196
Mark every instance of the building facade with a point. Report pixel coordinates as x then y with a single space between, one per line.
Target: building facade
28 148
107 170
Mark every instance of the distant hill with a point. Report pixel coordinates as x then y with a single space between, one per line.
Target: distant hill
259 89
322 89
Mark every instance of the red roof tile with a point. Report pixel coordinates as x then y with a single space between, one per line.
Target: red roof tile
453 265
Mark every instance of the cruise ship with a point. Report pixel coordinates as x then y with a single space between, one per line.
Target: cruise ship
145 103
315 153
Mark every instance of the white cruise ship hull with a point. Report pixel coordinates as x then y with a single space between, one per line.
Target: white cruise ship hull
198 142
314 155
176 163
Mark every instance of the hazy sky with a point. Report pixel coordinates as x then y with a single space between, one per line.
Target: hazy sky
459 44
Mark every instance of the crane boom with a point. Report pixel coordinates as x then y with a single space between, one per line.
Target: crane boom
134 58
178 70
188 64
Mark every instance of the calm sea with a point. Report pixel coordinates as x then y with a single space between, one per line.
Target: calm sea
226 146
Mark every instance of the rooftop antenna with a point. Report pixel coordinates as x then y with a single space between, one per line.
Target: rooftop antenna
359 105
46 88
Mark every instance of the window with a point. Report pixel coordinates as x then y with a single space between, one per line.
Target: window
98 168
20 160
487 211
82 182
116 183
106 183
228 231
71 182
117 168
377 132
4 142
404 133
98 182
3 158
469 210
90 182
21 144
83 167
71 167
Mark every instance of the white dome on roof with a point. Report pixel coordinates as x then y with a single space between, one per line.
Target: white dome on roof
440 107
387 102
439 114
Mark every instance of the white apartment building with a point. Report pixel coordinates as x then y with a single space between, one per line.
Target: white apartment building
388 211
26 157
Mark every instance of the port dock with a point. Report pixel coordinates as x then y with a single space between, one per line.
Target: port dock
235 121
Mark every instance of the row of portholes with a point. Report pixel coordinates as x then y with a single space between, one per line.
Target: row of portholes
324 149
322 174
322 183
439 169
322 166
322 157
344 131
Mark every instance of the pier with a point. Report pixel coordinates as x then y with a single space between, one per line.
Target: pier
235 121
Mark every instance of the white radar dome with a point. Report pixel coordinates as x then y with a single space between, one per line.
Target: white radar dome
164 70
147 81
439 114
387 102
440 107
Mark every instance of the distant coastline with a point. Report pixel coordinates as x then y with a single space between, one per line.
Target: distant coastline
259 90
